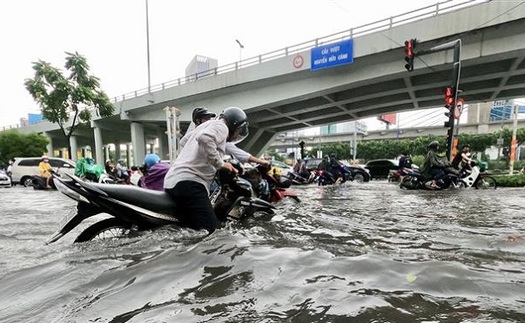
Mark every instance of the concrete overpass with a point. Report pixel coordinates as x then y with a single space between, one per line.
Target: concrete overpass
280 92
283 142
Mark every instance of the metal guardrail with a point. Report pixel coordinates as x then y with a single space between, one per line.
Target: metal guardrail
384 24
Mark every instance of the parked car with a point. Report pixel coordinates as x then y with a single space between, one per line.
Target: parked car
359 173
24 168
380 168
5 181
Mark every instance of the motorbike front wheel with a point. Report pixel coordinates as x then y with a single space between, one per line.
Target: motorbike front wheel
105 229
486 182
410 183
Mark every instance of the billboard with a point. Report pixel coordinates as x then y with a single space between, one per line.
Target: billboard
388 118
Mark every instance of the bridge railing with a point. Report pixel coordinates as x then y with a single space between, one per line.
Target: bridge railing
380 25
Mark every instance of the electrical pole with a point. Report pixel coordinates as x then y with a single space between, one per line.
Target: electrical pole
513 142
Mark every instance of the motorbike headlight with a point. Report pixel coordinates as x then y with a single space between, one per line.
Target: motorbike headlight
64 189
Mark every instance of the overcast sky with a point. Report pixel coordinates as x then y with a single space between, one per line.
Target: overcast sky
111 34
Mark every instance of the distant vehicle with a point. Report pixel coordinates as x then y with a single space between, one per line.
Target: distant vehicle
285 169
24 168
380 168
359 174
5 181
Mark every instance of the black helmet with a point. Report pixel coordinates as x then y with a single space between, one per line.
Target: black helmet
201 112
237 123
433 145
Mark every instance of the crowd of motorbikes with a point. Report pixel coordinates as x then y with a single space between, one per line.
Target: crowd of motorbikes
473 175
253 189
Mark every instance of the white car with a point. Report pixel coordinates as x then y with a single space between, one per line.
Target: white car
24 168
5 181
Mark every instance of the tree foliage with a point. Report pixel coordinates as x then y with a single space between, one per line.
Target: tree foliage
14 144
390 149
74 96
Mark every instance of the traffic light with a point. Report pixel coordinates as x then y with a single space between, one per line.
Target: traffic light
449 96
410 46
449 103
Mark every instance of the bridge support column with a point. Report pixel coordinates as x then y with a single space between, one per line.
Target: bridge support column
74 148
117 151
163 144
128 156
99 146
106 153
49 147
139 143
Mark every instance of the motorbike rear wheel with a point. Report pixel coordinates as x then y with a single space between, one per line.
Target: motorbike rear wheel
486 182
105 229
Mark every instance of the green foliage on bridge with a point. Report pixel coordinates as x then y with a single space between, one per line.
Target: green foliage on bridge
14 144
390 149
62 97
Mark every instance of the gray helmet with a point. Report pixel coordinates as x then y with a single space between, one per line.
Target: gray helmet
433 145
201 112
237 123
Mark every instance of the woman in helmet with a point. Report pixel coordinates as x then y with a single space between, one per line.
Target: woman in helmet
154 173
45 170
190 176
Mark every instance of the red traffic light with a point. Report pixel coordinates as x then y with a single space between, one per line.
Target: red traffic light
449 96
409 54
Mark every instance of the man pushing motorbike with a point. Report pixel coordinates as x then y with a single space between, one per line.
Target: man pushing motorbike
436 166
190 176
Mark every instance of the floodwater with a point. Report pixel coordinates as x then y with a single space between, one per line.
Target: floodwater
366 252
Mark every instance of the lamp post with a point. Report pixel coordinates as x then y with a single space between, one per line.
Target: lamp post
241 46
147 47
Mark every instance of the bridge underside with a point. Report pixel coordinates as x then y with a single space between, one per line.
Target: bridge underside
483 78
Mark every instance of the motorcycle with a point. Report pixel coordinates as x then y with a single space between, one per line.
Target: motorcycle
39 182
474 177
324 177
396 175
297 179
414 179
135 209
271 188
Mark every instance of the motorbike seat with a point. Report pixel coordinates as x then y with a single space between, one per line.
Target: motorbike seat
149 199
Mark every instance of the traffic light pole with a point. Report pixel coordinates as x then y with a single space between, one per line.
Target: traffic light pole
456 71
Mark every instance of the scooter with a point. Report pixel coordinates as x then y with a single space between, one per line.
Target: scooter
396 175
473 177
269 187
39 182
135 209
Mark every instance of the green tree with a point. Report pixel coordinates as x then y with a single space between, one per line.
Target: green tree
14 144
73 96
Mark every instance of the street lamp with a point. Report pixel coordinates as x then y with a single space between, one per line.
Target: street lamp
241 46
147 46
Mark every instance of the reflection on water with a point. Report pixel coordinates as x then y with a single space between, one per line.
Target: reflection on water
354 253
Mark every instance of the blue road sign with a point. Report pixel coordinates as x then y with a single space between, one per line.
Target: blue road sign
332 55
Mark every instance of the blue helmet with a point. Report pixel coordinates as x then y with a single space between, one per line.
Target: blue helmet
151 159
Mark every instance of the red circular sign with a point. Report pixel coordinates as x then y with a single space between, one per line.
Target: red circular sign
298 61
459 108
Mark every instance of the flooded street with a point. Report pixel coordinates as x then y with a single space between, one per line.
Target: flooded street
366 252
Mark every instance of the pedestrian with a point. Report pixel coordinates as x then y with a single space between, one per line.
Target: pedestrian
190 176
